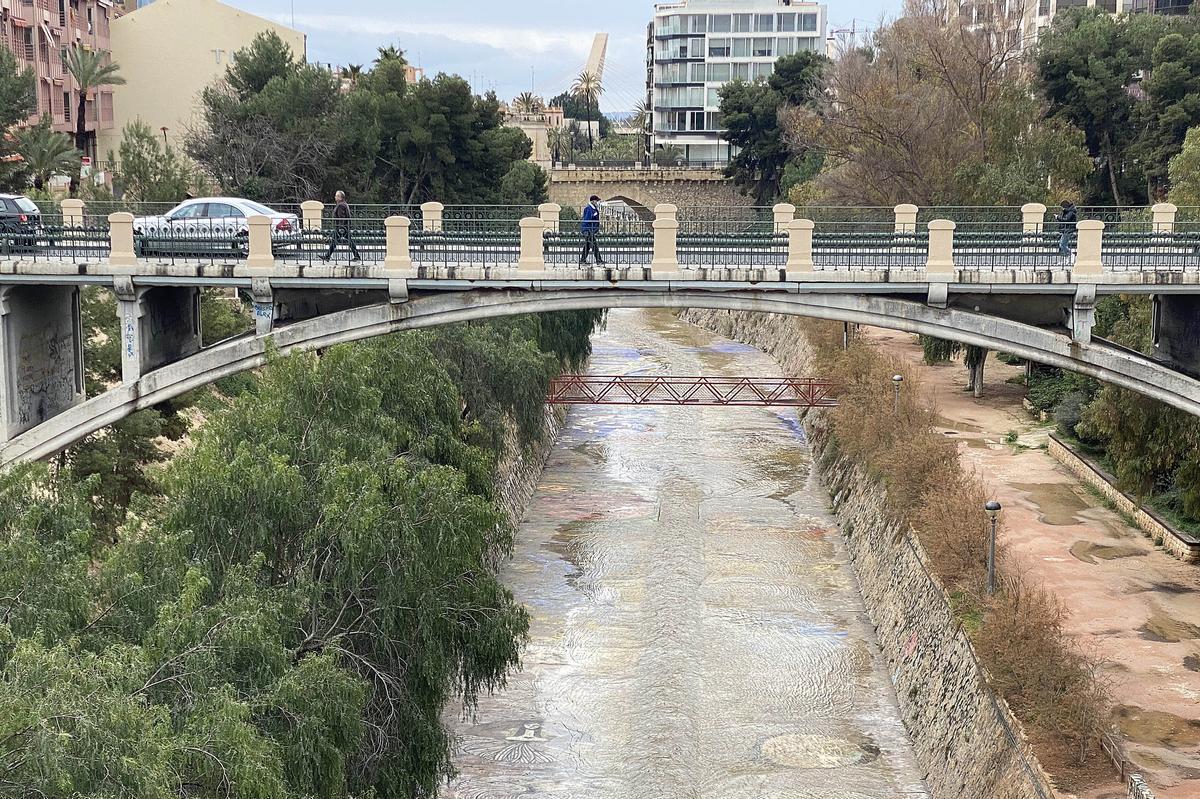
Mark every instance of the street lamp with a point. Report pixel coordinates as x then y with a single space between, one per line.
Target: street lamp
897 381
164 130
993 512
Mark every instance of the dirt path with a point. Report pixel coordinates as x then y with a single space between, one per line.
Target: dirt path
1131 603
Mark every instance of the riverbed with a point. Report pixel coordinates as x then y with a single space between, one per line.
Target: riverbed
696 629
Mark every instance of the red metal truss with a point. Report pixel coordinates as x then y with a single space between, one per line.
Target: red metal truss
792 392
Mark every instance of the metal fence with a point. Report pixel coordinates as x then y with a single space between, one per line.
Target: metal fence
861 245
455 249
359 240
1135 246
620 242
218 240
485 218
992 246
52 240
710 244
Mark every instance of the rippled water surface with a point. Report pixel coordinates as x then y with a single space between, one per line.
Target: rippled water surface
696 628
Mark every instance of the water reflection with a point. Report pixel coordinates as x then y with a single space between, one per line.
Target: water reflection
696 630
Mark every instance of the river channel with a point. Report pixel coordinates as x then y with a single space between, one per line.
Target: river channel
696 628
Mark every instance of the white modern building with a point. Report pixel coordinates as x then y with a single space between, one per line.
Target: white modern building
696 46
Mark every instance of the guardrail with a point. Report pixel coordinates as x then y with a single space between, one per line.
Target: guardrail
774 241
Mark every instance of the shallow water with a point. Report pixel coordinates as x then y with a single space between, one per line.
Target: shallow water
696 628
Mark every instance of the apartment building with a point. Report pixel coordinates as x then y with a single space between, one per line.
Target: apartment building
693 47
39 32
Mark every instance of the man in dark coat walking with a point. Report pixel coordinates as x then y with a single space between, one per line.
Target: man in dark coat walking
1066 227
341 229
590 228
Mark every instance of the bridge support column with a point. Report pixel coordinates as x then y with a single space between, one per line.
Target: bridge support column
264 305
72 212
784 214
906 218
262 253
120 236
41 352
1164 217
939 264
311 213
432 214
159 326
1176 333
1033 218
551 214
800 248
1089 248
399 257
533 246
666 239
1083 314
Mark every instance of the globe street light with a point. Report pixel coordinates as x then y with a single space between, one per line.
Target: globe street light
993 512
896 381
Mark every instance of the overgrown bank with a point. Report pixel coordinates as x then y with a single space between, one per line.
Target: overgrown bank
291 601
915 524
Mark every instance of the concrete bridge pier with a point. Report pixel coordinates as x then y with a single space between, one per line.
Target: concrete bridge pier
158 326
1176 333
1082 314
41 354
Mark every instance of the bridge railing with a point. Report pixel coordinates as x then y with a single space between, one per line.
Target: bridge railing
771 240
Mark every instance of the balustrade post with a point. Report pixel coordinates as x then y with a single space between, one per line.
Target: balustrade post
1089 248
72 212
939 265
800 247
311 214
906 218
431 217
261 253
533 249
666 238
399 257
1033 218
1164 217
120 236
550 213
784 214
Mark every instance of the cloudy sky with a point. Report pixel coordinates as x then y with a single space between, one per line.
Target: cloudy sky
501 44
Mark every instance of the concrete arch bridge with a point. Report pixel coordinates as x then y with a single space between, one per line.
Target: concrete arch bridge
1011 291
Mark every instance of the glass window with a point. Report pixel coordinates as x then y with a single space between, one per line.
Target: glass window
668 25
27 205
186 211
785 46
696 73
808 22
741 48
787 22
763 70
720 23
697 23
764 23
764 48
696 120
223 211
714 98
740 71
718 73
695 48
743 23
259 209
718 48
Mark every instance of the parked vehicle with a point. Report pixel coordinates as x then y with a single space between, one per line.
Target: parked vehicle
208 225
20 221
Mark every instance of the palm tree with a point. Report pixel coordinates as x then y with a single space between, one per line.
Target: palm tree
90 71
354 72
527 103
390 53
560 143
587 88
643 120
46 152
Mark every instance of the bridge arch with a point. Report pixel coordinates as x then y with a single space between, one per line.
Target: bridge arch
1096 360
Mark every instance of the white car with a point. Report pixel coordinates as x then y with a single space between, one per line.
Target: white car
206 224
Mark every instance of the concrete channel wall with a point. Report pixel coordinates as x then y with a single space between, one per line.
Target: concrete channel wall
519 470
964 736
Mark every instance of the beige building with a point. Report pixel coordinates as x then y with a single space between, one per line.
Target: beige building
169 51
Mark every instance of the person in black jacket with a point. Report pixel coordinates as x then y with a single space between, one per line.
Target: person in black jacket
1066 227
341 229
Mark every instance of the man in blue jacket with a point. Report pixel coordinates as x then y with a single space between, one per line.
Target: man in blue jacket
590 227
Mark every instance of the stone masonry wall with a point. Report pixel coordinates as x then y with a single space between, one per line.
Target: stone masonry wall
571 188
519 471
964 736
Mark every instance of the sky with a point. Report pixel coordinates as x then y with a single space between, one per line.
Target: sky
509 47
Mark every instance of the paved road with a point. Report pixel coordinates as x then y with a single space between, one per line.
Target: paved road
696 628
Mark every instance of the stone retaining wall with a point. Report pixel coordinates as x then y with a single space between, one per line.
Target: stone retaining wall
519 471
964 736
1180 544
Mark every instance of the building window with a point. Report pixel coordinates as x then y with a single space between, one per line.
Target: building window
763 71
764 48
720 23
696 120
669 25
808 22
743 23
764 23
787 22
785 46
714 98
697 73
718 48
740 71
741 48
718 73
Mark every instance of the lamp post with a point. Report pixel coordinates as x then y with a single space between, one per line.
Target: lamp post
164 130
993 512
897 381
